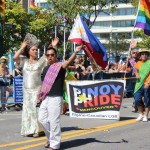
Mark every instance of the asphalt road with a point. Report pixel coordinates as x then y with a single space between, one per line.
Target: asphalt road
82 134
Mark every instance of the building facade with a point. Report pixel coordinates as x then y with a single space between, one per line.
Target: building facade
120 21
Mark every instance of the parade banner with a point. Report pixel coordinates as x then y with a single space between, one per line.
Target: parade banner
18 91
95 99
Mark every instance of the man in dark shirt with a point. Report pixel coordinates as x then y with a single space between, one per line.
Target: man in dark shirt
50 108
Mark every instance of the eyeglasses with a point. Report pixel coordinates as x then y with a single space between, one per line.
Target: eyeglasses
52 55
145 54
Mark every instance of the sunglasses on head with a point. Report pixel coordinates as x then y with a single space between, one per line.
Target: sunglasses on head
145 54
52 55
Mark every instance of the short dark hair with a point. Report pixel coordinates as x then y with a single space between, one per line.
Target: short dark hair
51 48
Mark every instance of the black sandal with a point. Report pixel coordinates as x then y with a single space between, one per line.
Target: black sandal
47 144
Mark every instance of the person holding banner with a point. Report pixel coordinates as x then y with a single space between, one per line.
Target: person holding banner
51 96
142 87
32 70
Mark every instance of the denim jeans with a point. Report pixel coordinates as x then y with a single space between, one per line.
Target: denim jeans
142 92
2 96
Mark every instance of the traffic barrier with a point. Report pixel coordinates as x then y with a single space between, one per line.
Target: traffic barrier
18 90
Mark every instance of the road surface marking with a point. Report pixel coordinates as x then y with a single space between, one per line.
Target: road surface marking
82 133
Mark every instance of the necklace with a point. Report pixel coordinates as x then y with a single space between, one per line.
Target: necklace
32 61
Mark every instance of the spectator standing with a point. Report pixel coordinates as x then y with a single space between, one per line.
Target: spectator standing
18 68
4 74
132 61
142 87
17 72
113 67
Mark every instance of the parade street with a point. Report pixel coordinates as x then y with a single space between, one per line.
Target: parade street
82 134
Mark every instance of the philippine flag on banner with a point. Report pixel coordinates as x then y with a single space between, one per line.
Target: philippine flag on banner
81 34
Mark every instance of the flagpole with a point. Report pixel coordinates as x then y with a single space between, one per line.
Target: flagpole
88 52
55 31
137 13
28 6
64 38
39 3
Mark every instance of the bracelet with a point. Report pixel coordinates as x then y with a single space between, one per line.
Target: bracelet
21 49
75 53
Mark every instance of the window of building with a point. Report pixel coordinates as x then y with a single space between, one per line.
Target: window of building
45 5
100 24
104 36
126 23
101 14
124 11
97 35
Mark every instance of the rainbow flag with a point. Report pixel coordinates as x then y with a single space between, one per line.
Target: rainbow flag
143 16
32 4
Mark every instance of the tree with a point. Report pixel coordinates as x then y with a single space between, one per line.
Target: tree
18 23
144 41
135 3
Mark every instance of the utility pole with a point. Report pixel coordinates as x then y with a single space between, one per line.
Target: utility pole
2 9
25 5
1 39
116 44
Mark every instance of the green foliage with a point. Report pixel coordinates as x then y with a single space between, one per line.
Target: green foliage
145 39
39 22
135 3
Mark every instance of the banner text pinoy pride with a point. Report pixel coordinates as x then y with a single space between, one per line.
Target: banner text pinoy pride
98 95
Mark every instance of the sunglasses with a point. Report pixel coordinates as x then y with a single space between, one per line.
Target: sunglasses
145 54
134 53
52 55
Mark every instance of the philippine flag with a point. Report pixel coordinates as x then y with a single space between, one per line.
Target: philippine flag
81 34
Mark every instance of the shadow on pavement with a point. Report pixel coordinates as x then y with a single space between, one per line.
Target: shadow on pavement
80 142
77 142
126 118
63 129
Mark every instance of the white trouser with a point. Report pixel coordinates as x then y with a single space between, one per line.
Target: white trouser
49 117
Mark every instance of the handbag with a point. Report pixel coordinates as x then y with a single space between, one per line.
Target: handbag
4 81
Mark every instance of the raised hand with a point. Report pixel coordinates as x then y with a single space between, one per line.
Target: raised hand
78 48
55 42
24 44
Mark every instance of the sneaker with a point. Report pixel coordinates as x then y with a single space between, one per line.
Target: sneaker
140 117
145 119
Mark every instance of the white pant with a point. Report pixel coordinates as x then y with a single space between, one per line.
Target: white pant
49 117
